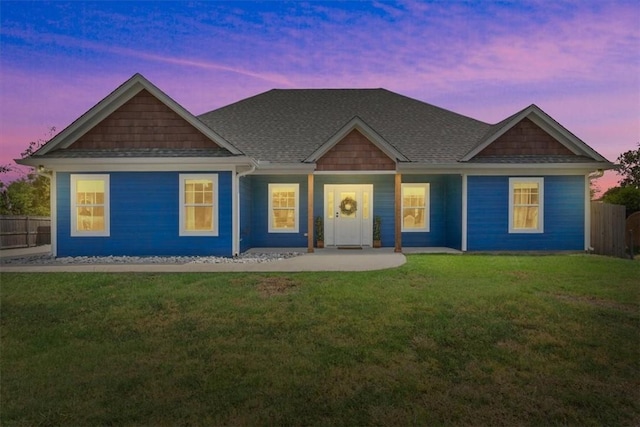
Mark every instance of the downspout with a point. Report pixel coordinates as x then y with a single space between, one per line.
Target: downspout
236 227
587 208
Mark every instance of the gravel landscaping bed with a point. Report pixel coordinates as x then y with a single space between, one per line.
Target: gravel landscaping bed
247 258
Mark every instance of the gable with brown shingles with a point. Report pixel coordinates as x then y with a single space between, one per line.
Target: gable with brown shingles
143 122
355 153
525 138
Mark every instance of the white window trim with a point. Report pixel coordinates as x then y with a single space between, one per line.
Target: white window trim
73 205
215 201
427 210
296 209
540 229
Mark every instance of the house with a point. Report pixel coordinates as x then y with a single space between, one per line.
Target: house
138 174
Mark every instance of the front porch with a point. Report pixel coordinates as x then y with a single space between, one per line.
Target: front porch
418 212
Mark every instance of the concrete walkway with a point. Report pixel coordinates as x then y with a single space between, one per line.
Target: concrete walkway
329 259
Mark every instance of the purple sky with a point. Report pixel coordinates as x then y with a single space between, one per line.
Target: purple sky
579 61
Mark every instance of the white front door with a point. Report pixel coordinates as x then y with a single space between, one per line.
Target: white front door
348 215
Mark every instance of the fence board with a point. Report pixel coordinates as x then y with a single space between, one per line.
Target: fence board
24 231
608 229
633 230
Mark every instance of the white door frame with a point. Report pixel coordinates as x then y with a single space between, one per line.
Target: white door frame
364 213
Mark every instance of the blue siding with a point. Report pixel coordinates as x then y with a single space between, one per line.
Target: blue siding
246 209
260 236
383 199
488 215
144 218
453 211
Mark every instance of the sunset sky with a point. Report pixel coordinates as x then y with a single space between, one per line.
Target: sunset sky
579 61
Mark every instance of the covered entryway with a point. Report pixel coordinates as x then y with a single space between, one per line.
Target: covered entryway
348 214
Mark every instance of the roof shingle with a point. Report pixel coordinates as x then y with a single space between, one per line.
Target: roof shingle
286 126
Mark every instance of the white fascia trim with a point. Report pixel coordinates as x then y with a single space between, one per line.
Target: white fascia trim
268 168
357 124
385 172
134 164
115 100
502 169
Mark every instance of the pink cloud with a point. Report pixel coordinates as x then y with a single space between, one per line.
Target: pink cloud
578 63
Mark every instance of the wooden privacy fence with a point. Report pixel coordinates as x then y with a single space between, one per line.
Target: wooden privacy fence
24 231
633 230
608 229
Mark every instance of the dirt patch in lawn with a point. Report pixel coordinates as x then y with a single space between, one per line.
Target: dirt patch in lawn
274 286
597 302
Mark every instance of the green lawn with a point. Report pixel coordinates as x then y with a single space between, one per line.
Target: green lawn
464 340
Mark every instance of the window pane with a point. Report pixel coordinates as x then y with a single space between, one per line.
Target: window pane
89 192
198 218
525 193
413 218
525 217
198 191
365 205
414 206
208 197
283 207
90 218
526 205
283 219
330 204
90 186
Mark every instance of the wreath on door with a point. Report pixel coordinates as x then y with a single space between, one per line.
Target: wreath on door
348 206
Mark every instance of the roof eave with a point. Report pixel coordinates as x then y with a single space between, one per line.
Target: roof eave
501 168
134 163
275 168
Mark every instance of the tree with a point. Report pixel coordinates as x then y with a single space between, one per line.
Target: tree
28 195
629 168
628 196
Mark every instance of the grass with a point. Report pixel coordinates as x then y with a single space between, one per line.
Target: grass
443 340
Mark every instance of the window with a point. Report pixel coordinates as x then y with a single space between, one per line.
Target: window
526 205
283 208
89 205
198 205
415 207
